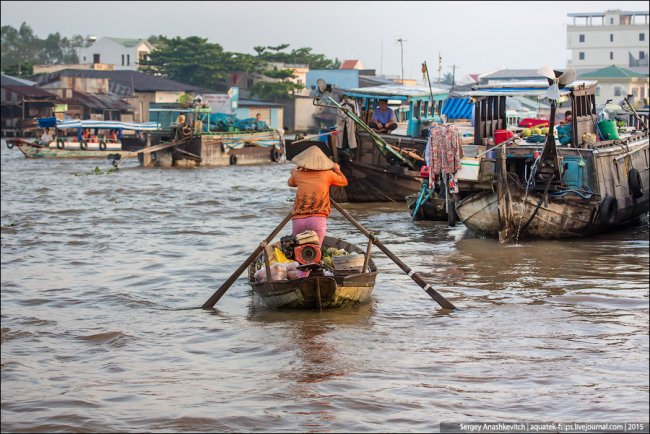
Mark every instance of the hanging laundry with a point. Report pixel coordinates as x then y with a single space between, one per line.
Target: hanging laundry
444 149
345 125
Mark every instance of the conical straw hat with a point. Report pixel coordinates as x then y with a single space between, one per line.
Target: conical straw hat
313 159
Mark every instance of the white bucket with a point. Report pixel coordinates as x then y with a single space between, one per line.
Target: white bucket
469 169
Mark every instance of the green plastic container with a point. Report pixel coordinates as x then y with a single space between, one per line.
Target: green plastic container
608 130
564 133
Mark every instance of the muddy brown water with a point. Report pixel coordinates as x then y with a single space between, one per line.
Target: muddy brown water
102 277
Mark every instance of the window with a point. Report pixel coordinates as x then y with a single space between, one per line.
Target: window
611 21
598 91
581 55
249 83
128 59
611 37
611 55
96 58
582 38
618 91
641 36
84 58
641 55
122 59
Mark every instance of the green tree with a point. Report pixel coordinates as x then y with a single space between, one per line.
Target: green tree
195 61
53 47
276 90
448 79
282 87
19 49
156 40
298 56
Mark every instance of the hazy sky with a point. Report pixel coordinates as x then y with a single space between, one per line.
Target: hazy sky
475 36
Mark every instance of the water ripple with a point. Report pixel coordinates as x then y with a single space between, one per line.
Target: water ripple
102 280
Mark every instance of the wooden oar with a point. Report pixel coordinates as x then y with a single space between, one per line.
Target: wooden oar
222 290
442 301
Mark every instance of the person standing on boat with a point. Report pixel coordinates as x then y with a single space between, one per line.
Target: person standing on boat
345 126
46 138
383 119
313 177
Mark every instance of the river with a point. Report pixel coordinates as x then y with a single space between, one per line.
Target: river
103 276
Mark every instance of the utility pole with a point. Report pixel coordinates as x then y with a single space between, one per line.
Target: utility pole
439 66
401 41
453 76
381 59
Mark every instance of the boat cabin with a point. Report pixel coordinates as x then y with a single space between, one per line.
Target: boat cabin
491 114
91 134
578 141
415 107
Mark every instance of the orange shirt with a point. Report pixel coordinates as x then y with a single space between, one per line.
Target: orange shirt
313 195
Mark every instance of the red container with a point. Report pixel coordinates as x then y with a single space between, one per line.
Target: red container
502 135
530 123
424 172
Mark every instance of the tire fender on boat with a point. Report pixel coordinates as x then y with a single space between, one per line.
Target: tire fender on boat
233 159
10 145
452 217
83 144
102 145
60 144
635 183
608 210
276 155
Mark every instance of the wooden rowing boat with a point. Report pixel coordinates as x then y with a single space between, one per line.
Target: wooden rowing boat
318 291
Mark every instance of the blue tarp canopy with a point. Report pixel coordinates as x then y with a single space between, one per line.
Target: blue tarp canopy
458 108
111 125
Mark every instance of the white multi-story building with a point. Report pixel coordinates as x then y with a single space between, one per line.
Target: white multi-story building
124 53
613 37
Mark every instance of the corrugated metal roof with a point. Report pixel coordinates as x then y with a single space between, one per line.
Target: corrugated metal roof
613 71
30 92
395 91
8 80
513 73
101 101
126 42
458 108
349 64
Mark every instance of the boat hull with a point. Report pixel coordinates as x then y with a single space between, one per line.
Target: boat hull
433 208
615 174
33 150
312 292
555 219
219 149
